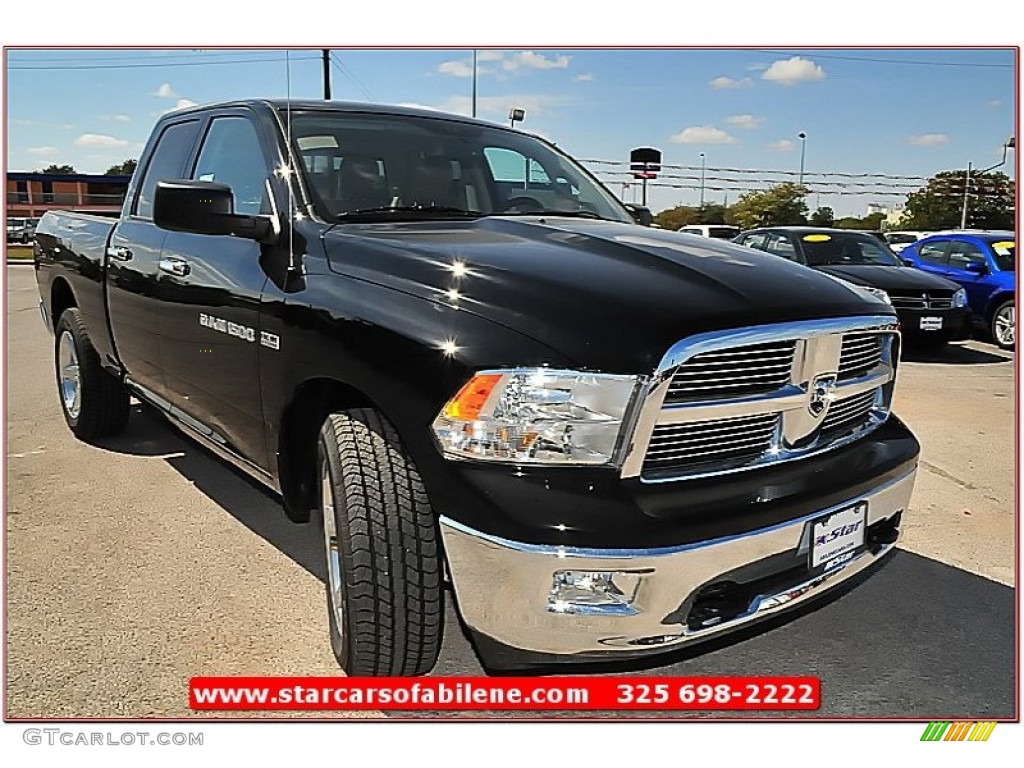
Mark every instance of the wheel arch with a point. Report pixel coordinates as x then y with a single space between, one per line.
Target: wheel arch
311 402
62 297
995 300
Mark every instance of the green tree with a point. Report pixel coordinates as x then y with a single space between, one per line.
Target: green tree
939 204
127 168
872 221
780 205
680 216
58 169
711 214
823 217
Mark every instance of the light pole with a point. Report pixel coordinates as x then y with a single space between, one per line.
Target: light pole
702 166
1011 143
515 115
803 146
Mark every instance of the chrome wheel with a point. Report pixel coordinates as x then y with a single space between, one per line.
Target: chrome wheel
70 378
334 575
1004 325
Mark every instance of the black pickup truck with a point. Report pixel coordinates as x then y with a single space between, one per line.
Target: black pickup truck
448 345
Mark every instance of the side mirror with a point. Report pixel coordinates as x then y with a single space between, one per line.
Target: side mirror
976 267
204 208
908 262
641 214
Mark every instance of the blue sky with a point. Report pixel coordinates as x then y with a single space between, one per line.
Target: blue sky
907 113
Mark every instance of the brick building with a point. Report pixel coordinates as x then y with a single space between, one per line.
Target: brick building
33 194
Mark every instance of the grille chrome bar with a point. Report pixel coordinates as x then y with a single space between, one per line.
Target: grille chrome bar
715 406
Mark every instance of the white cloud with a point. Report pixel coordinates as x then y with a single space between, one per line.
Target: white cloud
783 145
757 67
183 103
702 134
534 60
100 140
43 151
929 139
120 118
165 92
490 55
995 103
728 82
584 77
23 122
792 71
744 121
456 68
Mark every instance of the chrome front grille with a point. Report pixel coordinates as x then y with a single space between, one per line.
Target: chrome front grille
860 353
922 300
745 398
729 441
848 414
748 370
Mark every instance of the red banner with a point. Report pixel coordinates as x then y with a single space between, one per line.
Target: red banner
566 694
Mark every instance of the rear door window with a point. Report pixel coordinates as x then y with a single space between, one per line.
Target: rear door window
934 252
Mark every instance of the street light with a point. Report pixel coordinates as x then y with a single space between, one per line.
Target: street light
803 146
515 115
702 165
1011 143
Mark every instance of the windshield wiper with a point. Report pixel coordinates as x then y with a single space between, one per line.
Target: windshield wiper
393 211
571 214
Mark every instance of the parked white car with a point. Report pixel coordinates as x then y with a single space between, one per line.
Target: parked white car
900 240
717 231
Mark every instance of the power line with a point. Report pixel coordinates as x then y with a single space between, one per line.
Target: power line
767 171
873 60
347 72
180 64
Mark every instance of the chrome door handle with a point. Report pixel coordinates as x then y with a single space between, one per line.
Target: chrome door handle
175 266
119 252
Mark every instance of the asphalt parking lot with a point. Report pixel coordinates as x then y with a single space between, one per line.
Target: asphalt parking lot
135 565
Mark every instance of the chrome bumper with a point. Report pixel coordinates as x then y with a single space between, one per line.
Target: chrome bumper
503 587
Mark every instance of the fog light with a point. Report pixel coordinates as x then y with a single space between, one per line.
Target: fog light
593 592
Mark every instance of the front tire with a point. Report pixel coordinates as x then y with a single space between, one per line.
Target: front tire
382 547
94 402
1004 325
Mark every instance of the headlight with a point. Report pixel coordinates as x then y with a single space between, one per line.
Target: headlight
960 298
878 293
537 416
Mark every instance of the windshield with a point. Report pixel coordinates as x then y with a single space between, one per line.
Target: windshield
897 238
15 222
361 166
847 248
1006 255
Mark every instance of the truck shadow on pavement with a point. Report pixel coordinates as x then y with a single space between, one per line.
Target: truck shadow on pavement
954 354
918 639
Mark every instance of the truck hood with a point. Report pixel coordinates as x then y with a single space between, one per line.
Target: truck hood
889 278
609 296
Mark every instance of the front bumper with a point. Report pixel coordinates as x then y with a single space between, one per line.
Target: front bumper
503 587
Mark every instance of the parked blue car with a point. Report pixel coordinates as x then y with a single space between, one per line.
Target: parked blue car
984 263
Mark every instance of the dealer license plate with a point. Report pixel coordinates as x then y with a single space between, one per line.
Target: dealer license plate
931 323
836 539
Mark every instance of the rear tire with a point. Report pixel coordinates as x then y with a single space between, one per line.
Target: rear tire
94 402
382 547
1004 325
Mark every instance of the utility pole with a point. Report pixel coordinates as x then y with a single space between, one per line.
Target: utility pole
967 188
327 74
474 82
